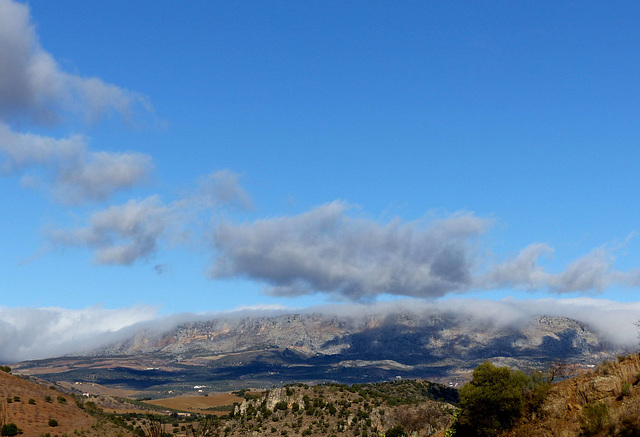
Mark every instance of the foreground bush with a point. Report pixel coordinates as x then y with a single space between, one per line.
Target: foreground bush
9 429
491 401
594 418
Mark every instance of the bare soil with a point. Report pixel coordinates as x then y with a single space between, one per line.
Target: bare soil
198 404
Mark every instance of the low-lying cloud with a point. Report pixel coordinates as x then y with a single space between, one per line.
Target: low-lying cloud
32 333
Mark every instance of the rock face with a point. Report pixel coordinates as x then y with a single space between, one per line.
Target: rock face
273 398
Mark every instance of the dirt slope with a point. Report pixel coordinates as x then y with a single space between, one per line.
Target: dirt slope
30 406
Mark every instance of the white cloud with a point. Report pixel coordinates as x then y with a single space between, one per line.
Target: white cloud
76 174
122 234
32 85
98 175
223 187
35 90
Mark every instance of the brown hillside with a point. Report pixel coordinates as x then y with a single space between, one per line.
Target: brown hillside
30 406
614 384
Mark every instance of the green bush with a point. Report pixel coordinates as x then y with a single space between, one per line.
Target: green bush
53 423
491 401
594 418
9 429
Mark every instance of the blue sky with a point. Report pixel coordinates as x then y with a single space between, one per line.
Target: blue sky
214 155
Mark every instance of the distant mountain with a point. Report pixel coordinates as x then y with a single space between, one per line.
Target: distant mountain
406 338
262 351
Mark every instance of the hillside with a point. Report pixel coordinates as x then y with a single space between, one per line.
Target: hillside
31 406
604 402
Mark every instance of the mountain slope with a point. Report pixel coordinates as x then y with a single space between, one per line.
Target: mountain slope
31 406
605 401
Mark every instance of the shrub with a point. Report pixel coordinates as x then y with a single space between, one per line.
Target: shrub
5 369
62 399
491 401
53 423
594 418
48 399
9 429
32 401
626 389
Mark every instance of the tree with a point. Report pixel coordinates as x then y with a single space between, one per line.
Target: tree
9 429
491 401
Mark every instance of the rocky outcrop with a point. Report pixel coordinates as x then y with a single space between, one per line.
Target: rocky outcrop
270 401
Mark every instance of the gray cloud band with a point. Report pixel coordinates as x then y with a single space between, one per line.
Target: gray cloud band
325 250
